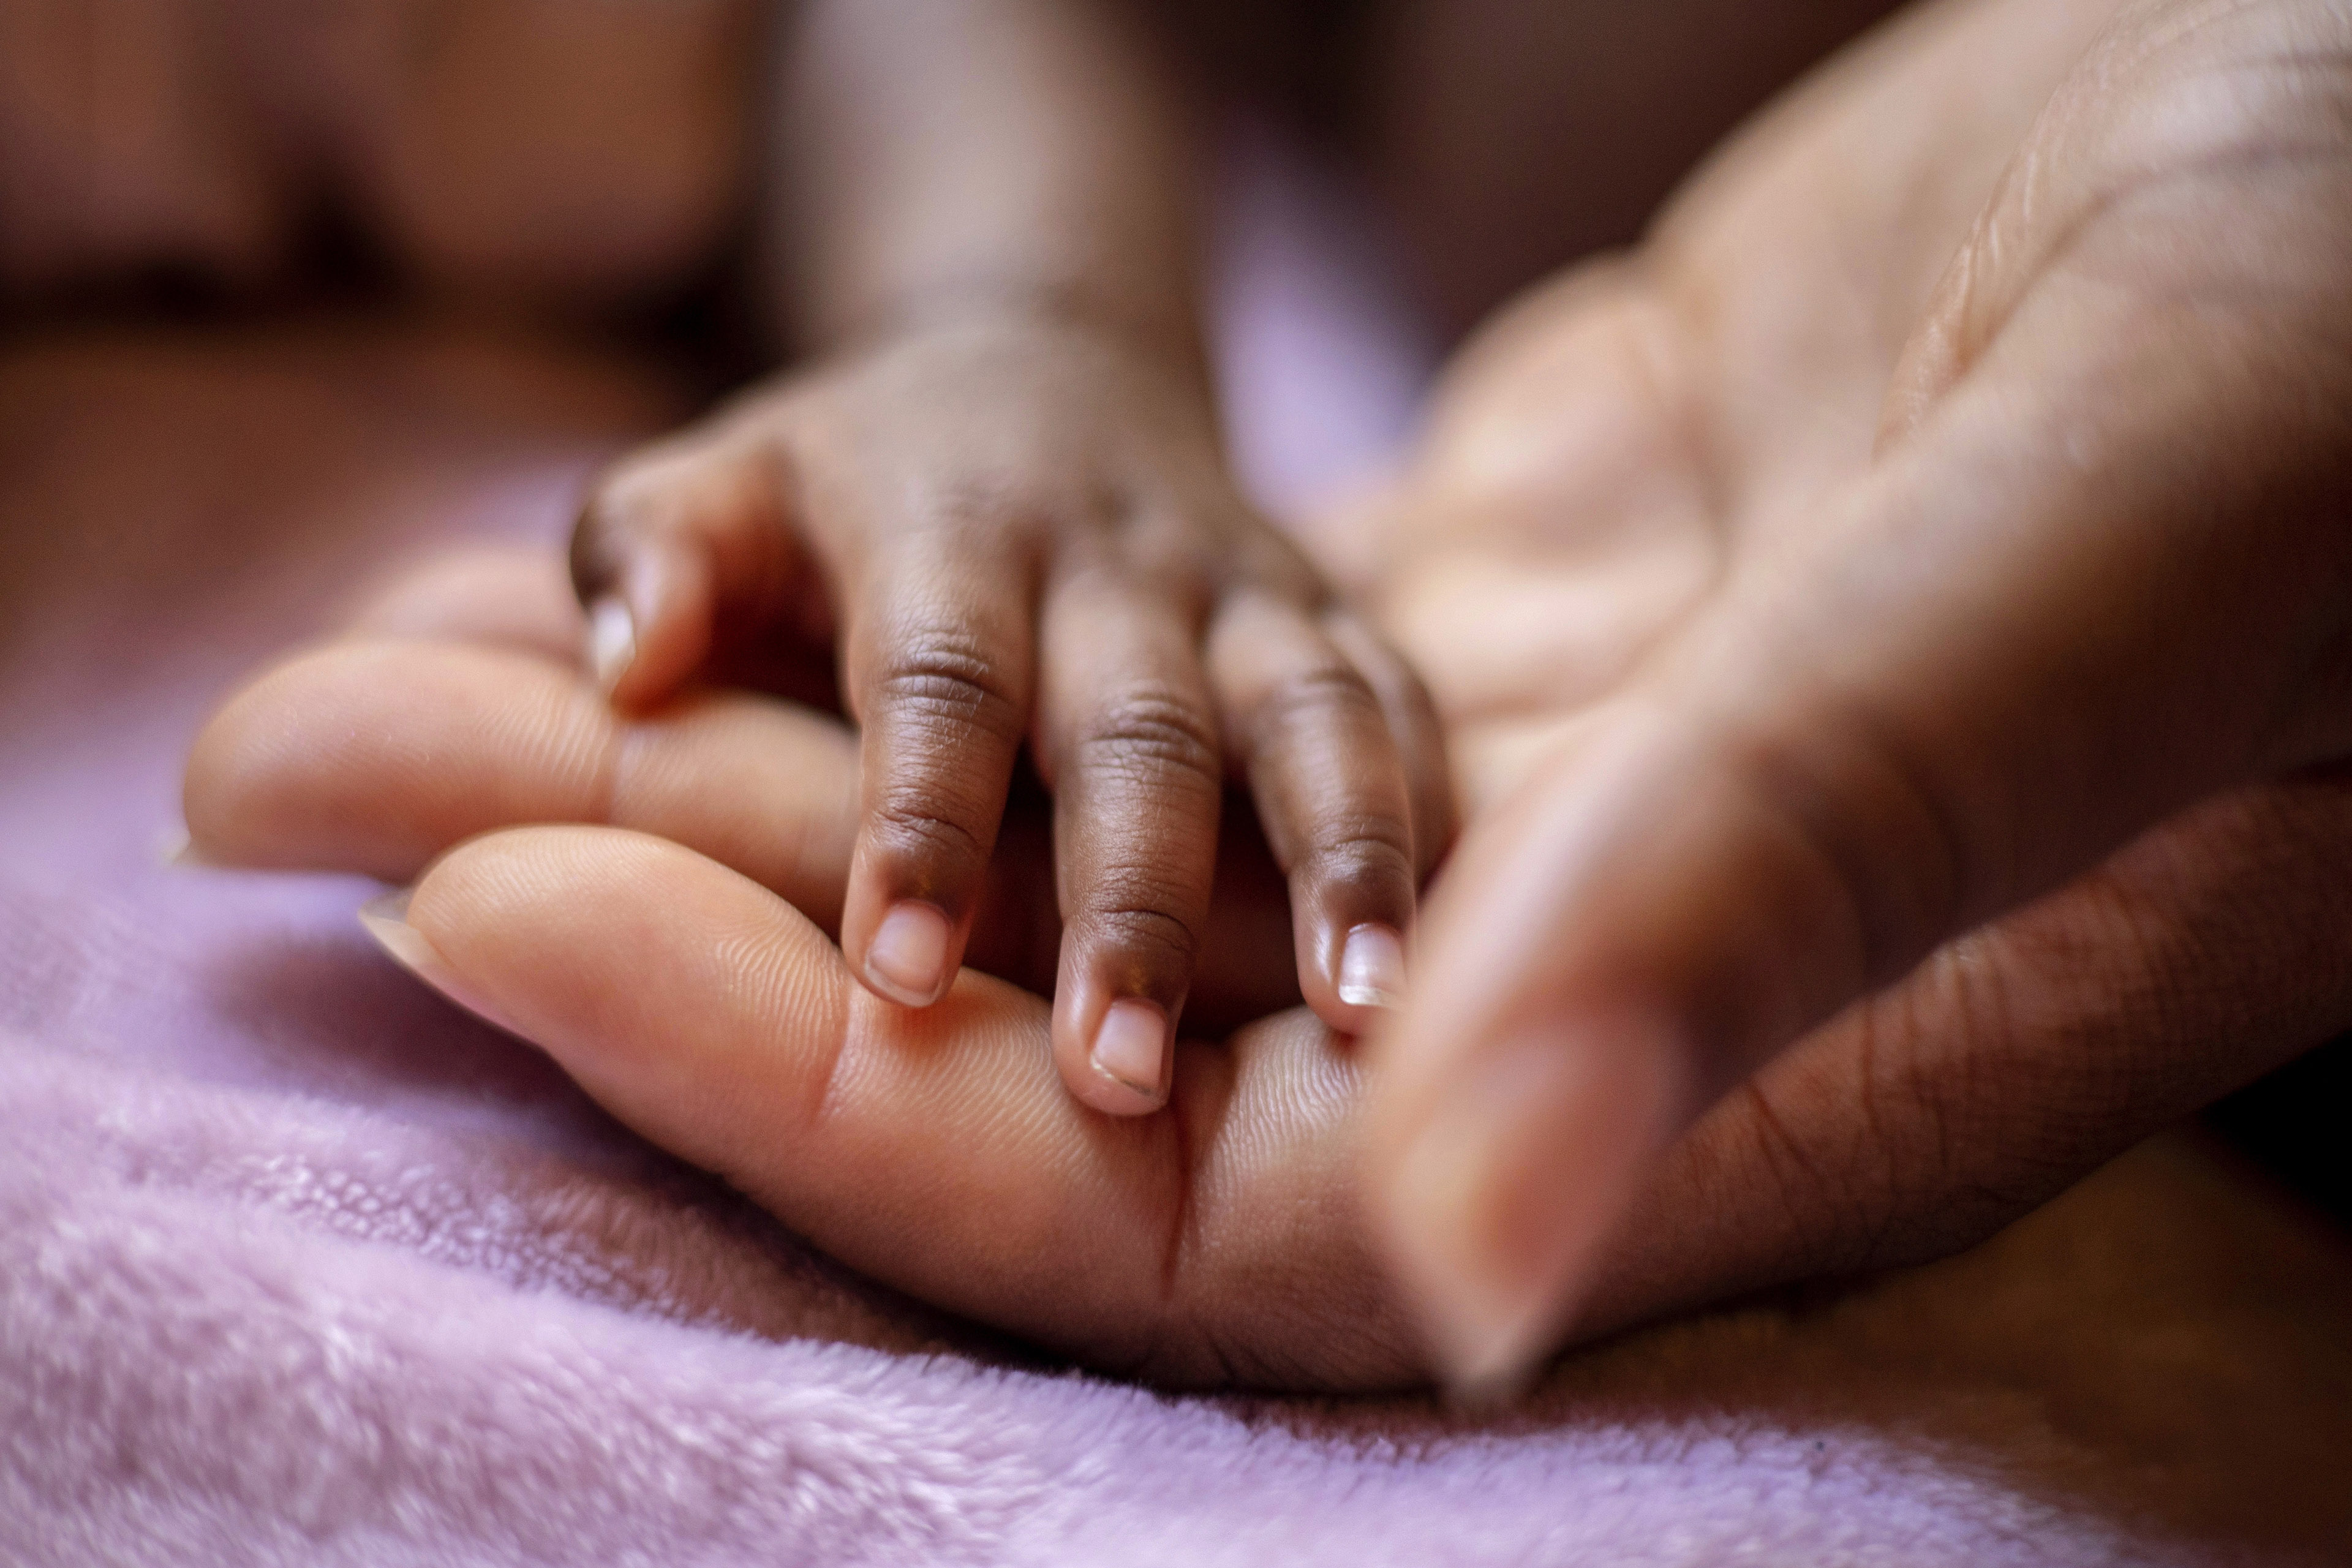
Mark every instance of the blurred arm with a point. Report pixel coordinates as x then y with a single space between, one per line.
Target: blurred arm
945 155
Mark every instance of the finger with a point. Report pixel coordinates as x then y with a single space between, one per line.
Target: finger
1313 739
1412 723
1129 738
374 757
714 1020
940 663
674 540
1924 1120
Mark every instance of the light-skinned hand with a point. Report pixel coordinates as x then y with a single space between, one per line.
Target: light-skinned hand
1954 490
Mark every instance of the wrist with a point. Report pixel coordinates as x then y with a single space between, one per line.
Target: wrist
1164 338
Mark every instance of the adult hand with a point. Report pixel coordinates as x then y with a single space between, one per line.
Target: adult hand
1832 609
1217 1243
1223 1242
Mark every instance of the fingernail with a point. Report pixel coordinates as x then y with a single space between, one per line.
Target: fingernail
176 852
1132 1046
1371 968
1501 1205
387 920
907 960
612 641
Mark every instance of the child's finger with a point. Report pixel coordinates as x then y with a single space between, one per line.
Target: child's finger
376 756
1314 739
1414 725
670 540
941 662
1128 737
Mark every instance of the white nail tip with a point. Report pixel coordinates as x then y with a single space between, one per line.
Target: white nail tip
1371 968
1132 1046
387 920
612 641
907 959
178 852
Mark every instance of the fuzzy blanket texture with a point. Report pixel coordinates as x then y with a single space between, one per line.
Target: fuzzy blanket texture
300 1266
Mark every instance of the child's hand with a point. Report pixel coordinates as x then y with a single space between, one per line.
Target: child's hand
1013 529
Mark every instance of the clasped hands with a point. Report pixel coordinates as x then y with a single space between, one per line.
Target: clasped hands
1888 633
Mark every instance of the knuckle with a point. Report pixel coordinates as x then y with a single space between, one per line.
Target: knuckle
1146 936
942 686
1313 697
919 824
1370 859
1151 733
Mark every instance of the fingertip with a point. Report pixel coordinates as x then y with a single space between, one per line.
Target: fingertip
1131 1054
909 959
651 632
375 757
612 636
1371 968
1117 1059
1497 1199
1121 991
1352 976
385 919
1327 766
1351 911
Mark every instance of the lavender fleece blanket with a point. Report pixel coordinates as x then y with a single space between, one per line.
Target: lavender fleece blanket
298 1265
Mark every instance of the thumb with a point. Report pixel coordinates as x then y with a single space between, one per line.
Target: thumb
2101 575
685 552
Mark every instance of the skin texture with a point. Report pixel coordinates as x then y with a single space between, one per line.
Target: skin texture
1623 101
995 515
1607 470
1958 497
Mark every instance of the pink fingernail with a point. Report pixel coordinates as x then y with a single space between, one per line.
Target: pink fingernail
612 641
907 960
387 920
1132 1046
1371 968
178 852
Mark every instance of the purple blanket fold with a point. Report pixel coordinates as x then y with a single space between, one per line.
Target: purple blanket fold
298 1265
